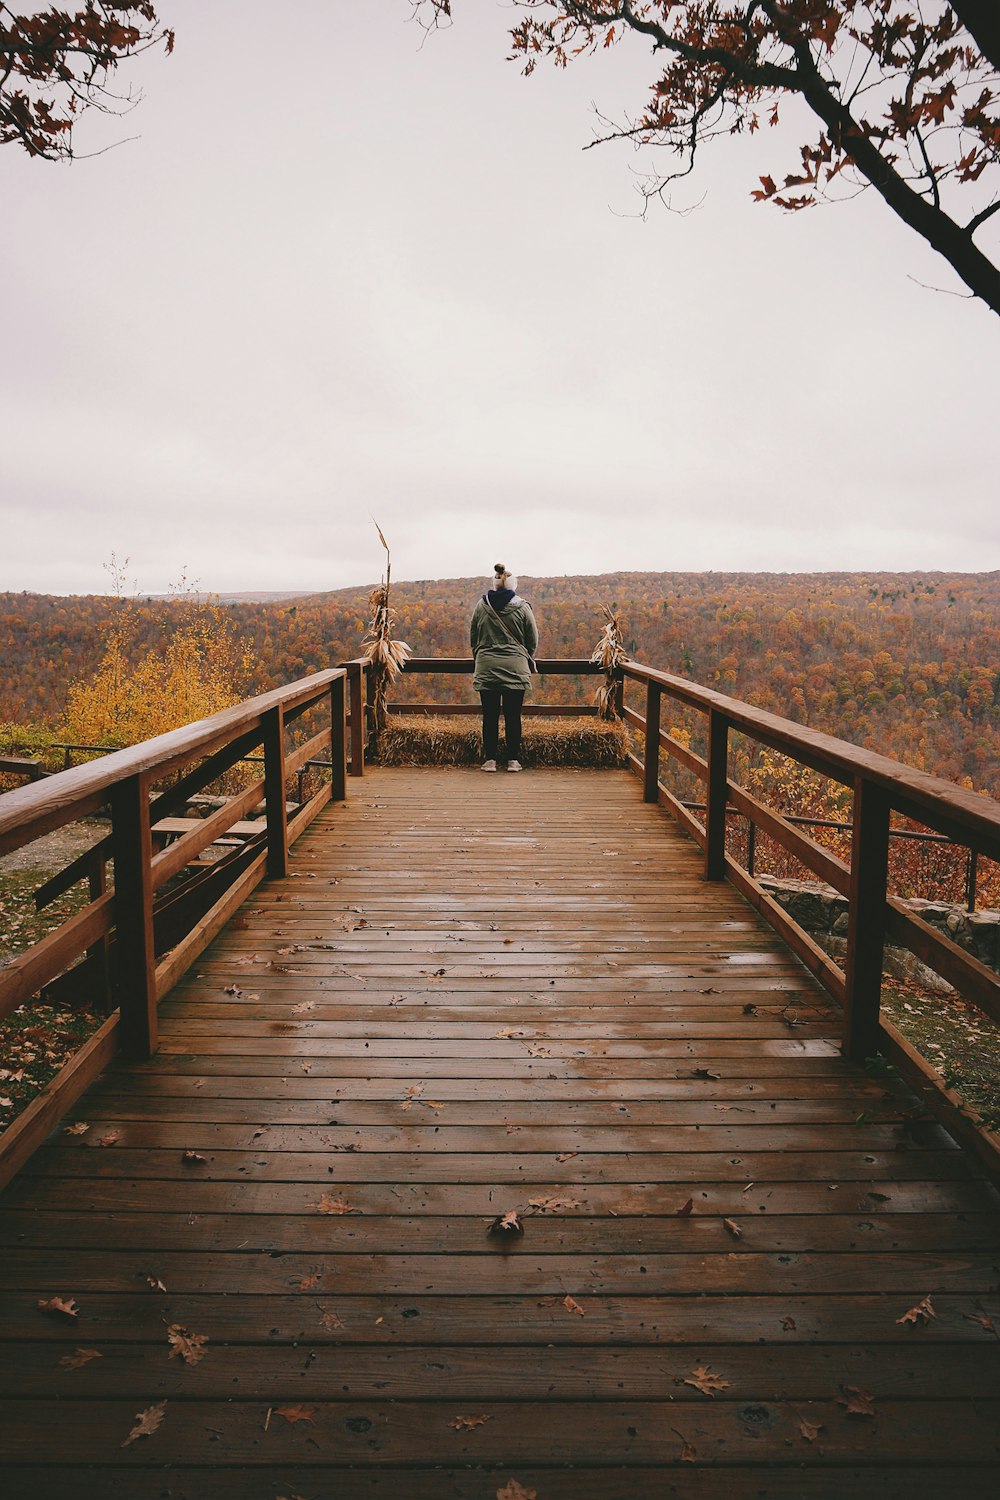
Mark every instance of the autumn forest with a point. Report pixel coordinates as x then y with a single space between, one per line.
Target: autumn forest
905 663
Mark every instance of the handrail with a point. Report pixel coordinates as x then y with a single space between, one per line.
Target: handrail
916 794
140 936
880 787
28 811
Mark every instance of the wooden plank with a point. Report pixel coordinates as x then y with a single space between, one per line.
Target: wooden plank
564 1012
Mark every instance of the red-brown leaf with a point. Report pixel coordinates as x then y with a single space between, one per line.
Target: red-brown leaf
146 1422
79 1358
466 1424
857 1402
922 1313
64 1305
190 1347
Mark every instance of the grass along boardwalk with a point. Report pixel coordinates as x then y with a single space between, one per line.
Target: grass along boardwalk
473 995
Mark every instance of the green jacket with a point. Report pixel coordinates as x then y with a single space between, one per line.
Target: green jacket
499 662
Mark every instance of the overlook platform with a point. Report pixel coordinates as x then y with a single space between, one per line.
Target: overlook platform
520 995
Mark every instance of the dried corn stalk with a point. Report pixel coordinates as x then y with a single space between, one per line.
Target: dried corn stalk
609 654
385 655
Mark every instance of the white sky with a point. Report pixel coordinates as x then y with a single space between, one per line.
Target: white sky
341 274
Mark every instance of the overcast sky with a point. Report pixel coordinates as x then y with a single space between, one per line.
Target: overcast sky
339 274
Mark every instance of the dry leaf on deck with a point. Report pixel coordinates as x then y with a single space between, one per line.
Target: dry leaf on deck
110 1138
330 1205
308 1282
689 1452
79 1128
190 1347
809 1431
733 1228
507 1224
193 1159
985 1323
79 1358
466 1424
685 1211
155 1284
146 1422
572 1306
788 1323
922 1313
512 1490
554 1205
293 1414
330 1321
705 1380
65 1305
857 1402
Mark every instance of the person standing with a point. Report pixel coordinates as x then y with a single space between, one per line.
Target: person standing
504 639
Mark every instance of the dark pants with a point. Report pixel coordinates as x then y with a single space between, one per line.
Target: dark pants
510 699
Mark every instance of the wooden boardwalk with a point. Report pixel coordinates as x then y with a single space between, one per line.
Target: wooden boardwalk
475 994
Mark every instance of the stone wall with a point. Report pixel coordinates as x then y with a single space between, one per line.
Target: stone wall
823 914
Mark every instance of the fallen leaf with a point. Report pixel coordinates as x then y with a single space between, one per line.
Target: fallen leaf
155 1284
193 1159
512 1490
749 1009
572 1306
506 1224
308 1282
733 1228
922 1313
567 1155
685 1210
553 1205
110 1139
858 1402
146 1422
788 1323
299 1010
79 1128
809 1431
190 1347
330 1205
79 1358
432 1103
330 1321
705 1380
65 1305
466 1424
985 1323
689 1452
293 1414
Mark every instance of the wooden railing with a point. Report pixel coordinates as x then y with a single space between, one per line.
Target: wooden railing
880 787
144 964
359 675
140 934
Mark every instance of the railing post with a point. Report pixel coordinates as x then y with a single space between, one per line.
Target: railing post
751 845
274 792
619 694
135 955
358 724
651 776
716 796
866 919
338 739
971 880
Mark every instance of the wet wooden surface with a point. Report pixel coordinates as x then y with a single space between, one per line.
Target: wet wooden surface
474 994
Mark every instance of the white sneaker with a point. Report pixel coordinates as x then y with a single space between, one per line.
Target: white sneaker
491 765
514 765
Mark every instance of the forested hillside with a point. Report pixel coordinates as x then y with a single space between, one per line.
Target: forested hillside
905 663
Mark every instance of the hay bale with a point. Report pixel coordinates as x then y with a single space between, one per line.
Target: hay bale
436 740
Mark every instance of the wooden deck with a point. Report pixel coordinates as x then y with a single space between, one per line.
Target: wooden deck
475 994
